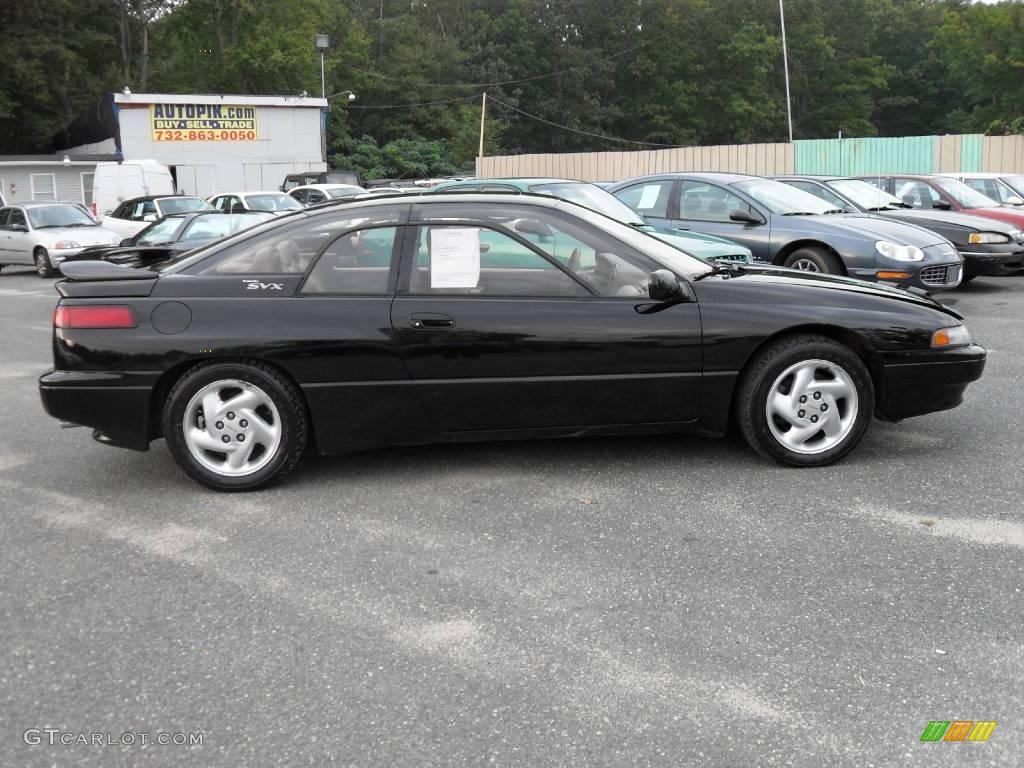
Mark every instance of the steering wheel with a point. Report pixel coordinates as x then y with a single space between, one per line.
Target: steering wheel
574 261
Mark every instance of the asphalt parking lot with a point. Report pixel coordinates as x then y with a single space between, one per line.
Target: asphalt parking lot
609 602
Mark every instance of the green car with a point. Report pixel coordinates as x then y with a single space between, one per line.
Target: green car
706 247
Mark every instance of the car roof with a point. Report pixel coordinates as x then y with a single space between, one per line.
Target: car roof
717 176
144 198
327 185
42 203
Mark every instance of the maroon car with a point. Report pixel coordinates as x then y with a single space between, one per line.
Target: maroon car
946 194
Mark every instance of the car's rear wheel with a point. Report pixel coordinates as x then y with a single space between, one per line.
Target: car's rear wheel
814 259
235 426
41 259
805 400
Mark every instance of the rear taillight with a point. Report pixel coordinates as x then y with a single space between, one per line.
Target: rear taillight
94 209
110 316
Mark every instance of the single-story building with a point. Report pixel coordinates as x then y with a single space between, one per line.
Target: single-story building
48 177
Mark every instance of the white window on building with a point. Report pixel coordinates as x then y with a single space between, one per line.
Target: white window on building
87 189
44 186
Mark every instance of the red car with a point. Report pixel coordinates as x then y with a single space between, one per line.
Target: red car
945 194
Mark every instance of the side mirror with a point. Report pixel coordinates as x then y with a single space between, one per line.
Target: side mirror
533 227
942 205
909 200
1014 200
662 285
18 228
746 217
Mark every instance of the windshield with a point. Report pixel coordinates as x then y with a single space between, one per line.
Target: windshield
594 198
964 195
184 205
218 225
1016 183
866 195
159 232
59 216
782 198
273 202
347 191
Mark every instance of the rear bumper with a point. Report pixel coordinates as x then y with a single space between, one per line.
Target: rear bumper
117 405
978 264
923 382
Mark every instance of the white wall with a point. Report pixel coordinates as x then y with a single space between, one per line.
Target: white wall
288 142
68 182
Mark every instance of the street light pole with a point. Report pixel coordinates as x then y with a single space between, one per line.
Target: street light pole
483 112
322 43
785 64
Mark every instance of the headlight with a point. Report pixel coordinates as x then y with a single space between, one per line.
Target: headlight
987 237
66 244
899 252
954 336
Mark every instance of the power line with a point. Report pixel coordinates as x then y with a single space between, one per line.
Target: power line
419 104
605 60
585 133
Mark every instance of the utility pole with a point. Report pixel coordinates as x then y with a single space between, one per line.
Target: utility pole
483 113
785 64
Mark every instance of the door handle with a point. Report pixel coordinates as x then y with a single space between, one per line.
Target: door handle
431 320
682 229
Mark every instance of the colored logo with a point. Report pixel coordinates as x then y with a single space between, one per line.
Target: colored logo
958 730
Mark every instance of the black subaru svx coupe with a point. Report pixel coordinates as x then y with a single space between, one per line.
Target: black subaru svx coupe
481 317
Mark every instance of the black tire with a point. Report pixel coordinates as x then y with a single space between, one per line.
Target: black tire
813 256
759 379
41 259
286 397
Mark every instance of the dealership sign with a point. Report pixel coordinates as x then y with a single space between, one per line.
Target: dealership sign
202 122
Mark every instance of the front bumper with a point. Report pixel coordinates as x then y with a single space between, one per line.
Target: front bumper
922 382
117 405
980 263
928 277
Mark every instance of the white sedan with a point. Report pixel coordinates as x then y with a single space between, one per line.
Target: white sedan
43 234
133 216
241 202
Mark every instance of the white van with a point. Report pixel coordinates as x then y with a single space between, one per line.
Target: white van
117 182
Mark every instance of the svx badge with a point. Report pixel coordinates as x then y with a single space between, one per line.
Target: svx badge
256 285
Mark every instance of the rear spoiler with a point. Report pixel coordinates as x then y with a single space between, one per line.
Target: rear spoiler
92 271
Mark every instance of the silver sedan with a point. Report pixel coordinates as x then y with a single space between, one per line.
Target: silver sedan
43 234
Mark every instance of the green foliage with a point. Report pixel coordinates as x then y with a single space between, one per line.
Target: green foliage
656 71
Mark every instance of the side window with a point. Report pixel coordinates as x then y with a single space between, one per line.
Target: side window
315 196
708 202
17 217
650 199
498 188
218 203
301 195
290 249
915 193
356 264
119 212
484 262
989 188
4 213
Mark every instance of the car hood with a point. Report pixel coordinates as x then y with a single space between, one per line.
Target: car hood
823 281
703 246
870 227
1013 216
955 218
84 236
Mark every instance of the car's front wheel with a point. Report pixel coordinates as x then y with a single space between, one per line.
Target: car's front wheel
814 259
41 259
235 426
805 400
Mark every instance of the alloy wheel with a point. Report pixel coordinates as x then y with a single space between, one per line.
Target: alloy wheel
812 406
232 427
